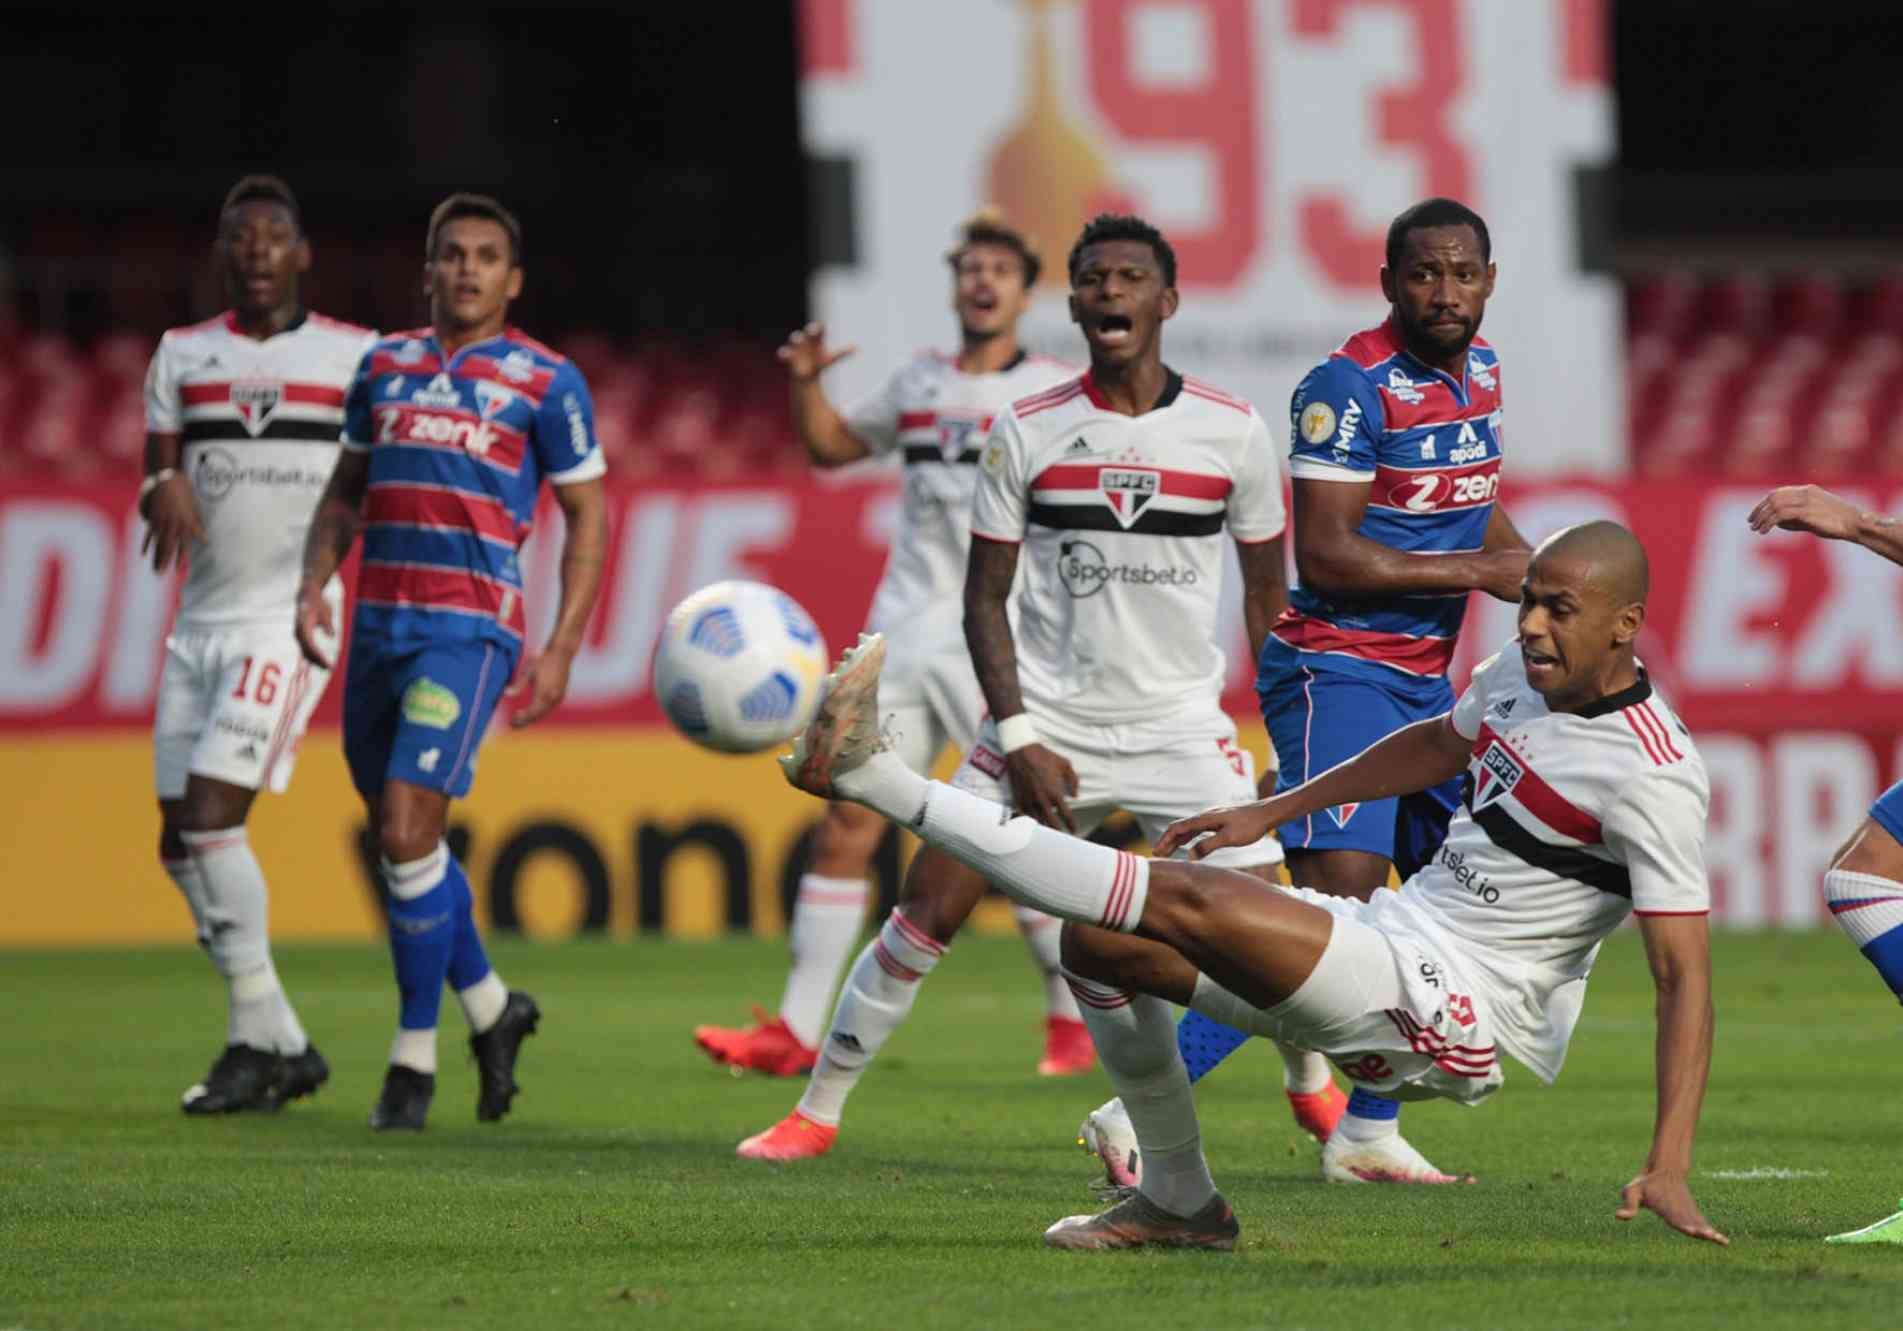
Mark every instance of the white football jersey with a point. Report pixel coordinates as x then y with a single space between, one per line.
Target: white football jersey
258 421
1121 519
937 416
1568 822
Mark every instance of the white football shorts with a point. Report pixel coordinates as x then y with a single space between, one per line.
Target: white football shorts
929 700
1157 771
233 704
1388 1004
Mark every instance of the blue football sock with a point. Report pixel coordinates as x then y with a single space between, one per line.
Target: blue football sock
1204 1042
1885 952
467 960
422 930
1368 1105
1870 910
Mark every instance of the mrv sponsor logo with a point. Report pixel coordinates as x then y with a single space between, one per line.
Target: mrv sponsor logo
1085 571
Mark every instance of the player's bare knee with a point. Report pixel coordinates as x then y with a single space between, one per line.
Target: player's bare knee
939 893
403 836
1090 953
212 807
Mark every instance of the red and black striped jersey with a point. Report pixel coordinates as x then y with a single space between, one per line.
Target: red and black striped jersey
1122 520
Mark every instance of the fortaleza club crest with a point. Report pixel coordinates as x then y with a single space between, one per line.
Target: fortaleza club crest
1499 772
256 400
1129 490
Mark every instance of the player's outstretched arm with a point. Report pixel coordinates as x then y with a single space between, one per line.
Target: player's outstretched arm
1502 534
1813 509
1412 758
829 441
333 531
544 678
1678 947
1041 781
1335 559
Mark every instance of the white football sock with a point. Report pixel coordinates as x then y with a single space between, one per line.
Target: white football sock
1135 1035
1304 1072
185 876
415 1050
483 1002
1033 865
238 940
1354 1128
827 917
878 994
1042 935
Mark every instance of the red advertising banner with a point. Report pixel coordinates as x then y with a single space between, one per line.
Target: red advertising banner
1747 633
1784 654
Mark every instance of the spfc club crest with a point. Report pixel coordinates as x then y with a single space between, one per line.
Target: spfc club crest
953 435
1129 490
256 400
1499 772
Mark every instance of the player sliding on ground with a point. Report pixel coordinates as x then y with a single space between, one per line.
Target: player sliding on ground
934 412
1117 488
1864 884
1584 801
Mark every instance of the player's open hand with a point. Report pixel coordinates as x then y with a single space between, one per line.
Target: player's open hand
543 682
1666 1194
805 353
1042 784
316 627
1806 508
171 518
1236 825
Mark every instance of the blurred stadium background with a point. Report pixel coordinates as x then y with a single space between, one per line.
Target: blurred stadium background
1694 213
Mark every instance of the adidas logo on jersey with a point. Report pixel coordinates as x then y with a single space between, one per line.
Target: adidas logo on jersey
1078 445
440 392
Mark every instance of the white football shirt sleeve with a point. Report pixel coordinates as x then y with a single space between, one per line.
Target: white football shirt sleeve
1256 512
1471 710
164 413
874 420
1657 830
1000 502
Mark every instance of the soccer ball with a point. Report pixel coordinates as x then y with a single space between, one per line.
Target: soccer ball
739 667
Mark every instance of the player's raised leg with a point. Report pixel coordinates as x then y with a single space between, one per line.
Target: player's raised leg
1864 889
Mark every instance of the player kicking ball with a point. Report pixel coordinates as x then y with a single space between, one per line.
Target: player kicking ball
1864 884
242 414
1106 501
1584 802
449 432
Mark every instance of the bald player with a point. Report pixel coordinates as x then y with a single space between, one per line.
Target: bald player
1583 801
1864 884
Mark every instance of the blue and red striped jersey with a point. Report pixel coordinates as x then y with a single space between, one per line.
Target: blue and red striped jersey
1428 446
459 446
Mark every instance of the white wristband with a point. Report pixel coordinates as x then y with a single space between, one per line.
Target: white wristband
1015 732
155 480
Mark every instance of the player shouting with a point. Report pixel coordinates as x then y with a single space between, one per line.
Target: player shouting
449 432
1864 884
1584 801
1396 465
242 413
934 412
1116 488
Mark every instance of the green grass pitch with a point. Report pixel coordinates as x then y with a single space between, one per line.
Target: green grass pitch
611 1196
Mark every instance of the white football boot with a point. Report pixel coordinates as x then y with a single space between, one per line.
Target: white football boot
1106 1133
1387 1159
